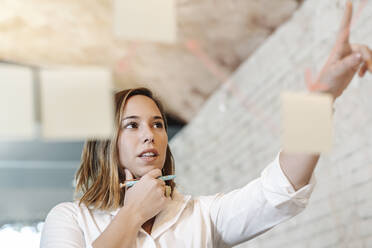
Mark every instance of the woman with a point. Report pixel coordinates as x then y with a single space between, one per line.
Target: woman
107 215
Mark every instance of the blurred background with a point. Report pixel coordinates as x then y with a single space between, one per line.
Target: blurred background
220 83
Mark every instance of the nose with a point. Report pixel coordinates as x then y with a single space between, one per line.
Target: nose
149 140
148 135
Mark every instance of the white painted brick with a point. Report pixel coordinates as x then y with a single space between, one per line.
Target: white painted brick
367 242
231 148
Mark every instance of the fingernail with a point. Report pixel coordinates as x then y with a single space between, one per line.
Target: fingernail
358 55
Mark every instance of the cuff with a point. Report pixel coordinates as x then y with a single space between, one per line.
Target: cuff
278 190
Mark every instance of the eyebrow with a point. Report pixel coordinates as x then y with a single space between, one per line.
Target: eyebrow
137 117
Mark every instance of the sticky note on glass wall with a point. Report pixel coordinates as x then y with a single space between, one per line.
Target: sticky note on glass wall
76 103
16 102
149 20
306 122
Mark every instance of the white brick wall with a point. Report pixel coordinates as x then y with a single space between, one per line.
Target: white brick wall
220 151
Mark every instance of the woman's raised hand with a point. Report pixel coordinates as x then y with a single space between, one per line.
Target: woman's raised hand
345 60
146 197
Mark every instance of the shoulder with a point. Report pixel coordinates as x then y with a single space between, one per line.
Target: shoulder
64 217
65 207
65 211
61 227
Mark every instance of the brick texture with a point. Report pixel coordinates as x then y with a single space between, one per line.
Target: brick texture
237 133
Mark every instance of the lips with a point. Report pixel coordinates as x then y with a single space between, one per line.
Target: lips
148 159
149 155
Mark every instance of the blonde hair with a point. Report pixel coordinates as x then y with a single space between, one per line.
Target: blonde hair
100 174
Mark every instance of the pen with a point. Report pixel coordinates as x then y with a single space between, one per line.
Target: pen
130 183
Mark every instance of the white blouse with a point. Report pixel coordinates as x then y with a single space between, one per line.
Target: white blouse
220 220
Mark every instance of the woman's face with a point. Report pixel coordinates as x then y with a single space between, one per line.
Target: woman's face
142 139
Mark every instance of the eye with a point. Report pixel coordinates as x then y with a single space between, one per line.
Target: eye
131 125
158 124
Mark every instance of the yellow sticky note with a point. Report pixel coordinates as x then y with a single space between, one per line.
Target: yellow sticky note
149 20
76 103
16 102
306 122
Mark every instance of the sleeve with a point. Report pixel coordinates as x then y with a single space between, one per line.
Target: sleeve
244 213
61 229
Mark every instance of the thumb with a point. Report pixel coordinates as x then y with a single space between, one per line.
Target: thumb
350 63
128 175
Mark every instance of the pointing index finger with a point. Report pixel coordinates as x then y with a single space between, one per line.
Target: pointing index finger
343 35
